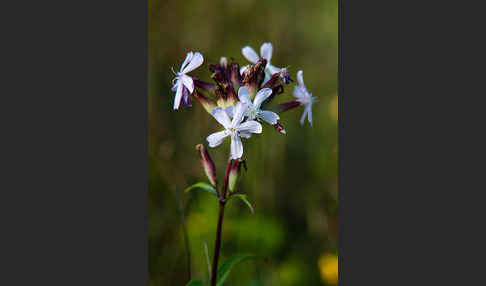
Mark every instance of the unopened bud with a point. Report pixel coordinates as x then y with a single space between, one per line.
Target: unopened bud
235 76
276 83
206 86
286 106
253 76
208 164
235 173
207 103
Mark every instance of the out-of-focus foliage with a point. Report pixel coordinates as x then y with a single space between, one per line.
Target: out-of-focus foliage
291 179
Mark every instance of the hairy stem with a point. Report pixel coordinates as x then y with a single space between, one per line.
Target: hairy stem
217 244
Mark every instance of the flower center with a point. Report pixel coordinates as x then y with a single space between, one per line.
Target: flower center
232 130
252 112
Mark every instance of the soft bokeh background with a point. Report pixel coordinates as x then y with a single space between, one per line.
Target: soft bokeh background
291 179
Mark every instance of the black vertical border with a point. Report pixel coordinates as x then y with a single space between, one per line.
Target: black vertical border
74 144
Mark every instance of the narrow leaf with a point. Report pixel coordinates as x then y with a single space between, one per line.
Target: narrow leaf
194 283
244 198
226 267
204 186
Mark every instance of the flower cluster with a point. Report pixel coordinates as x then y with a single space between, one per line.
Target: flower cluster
239 98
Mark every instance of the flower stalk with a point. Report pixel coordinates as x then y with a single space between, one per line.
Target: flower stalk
222 202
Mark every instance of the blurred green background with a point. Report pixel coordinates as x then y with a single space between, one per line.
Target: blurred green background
291 179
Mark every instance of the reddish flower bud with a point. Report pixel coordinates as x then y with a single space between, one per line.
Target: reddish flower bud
254 75
206 86
235 173
276 83
207 103
235 76
208 164
286 106
224 90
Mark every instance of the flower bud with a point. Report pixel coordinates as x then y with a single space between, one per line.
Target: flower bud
224 90
286 106
253 76
208 164
235 173
235 76
276 83
207 103
206 86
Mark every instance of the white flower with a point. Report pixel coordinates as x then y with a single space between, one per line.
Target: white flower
184 84
266 51
235 128
254 111
304 97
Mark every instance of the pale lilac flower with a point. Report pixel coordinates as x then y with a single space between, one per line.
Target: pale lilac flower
254 112
184 84
235 128
304 97
266 51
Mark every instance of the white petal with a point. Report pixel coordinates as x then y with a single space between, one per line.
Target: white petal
244 95
272 69
300 77
266 51
303 116
309 114
178 96
251 126
250 54
269 116
229 110
236 147
243 68
299 92
238 113
245 135
217 138
220 115
188 82
195 62
261 96
187 60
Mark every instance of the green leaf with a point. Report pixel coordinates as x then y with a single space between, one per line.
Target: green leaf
226 267
244 198
194 283
204 186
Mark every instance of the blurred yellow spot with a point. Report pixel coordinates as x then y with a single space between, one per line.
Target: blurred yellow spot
328 265
333 108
